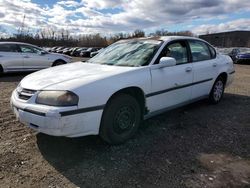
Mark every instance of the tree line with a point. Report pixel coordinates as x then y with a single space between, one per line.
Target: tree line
50 37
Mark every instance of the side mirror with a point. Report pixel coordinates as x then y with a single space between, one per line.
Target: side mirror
167 62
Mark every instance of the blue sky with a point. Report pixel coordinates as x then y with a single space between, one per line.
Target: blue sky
47 2
115 16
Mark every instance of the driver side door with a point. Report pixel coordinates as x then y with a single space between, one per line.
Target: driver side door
33 59
171 86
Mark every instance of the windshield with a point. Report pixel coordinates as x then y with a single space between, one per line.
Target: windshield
127 53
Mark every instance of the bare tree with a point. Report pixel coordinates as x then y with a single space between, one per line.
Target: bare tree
138 33
47 36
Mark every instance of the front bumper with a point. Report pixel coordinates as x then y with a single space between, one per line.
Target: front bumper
230 78
49 120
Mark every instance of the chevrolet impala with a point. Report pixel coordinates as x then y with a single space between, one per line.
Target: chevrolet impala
129 81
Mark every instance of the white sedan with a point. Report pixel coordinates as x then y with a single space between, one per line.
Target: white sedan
129 81
16 56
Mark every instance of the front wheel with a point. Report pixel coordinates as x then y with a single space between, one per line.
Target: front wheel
1 70
121 119
217 91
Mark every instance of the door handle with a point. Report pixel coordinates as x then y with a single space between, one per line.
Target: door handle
188 69
215 65
26 56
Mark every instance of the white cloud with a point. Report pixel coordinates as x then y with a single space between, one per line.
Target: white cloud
88 16
69 3
102 4
240 24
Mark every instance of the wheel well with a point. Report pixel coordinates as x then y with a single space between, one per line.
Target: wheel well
224 77
135 92
58 60
1 69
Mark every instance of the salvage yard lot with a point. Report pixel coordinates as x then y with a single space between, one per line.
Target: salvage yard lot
197 145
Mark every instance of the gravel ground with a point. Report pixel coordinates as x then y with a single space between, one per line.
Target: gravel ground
199 145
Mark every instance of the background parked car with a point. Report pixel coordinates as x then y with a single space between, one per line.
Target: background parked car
74 50
60 49
92 54
53 49
46 48
86 53
77 52
16 56
240 55
68 51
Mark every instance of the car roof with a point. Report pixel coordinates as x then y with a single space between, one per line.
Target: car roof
20 43
15 43
165 38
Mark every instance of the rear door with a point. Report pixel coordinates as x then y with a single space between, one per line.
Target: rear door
33 58
171 85
10 57
204 67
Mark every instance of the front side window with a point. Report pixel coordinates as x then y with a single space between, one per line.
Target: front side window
178 51
131 53
8 48
29 49
199 50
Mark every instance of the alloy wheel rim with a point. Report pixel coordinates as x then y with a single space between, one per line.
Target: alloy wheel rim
218 90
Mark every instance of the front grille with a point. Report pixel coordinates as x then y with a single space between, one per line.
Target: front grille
25 94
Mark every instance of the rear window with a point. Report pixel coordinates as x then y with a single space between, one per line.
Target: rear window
8 48
213 52
199 50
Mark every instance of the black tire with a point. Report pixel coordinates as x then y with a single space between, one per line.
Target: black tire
217 91
121 119
1 70
58 62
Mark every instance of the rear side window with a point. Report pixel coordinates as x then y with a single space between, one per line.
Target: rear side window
213 52
199 50
8 48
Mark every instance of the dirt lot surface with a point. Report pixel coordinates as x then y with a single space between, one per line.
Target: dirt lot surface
199 145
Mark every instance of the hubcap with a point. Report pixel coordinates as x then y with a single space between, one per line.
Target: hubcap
218 90
124 119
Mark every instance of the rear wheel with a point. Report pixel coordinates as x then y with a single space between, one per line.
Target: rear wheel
217 91
121 119
58 62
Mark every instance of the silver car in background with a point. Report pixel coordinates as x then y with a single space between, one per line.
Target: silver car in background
15 57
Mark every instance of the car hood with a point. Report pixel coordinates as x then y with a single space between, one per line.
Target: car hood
73 74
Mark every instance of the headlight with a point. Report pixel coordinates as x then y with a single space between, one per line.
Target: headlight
57 98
